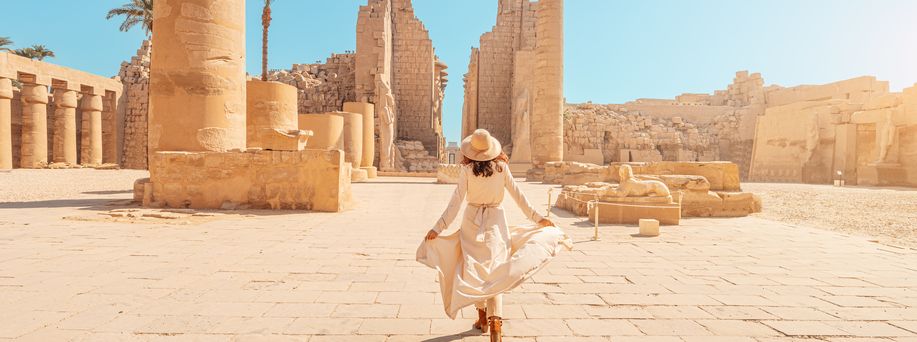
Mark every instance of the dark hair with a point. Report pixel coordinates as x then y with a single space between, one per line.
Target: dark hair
486 168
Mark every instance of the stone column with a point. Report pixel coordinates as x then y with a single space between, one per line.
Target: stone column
197 76
34 147
6 124
64 144
110 129
369 129
547 119
91 144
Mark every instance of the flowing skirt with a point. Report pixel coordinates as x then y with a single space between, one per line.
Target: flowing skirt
486 258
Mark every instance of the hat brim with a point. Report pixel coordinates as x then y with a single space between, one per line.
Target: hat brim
490 154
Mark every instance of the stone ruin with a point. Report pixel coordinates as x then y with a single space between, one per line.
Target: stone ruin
691 127
57 117
135 75
234 143
392 54
514 83
804 134
854 130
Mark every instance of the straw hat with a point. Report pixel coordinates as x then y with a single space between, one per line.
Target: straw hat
481 146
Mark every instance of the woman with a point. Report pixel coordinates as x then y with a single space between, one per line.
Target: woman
486 257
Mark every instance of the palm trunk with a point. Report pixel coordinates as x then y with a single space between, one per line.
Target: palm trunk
266 22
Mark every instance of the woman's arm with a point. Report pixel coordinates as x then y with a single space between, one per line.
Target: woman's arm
454 204
517 195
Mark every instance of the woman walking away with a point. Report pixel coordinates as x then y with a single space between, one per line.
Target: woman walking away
486 258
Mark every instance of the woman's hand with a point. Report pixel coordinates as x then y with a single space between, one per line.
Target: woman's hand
546 223
431 234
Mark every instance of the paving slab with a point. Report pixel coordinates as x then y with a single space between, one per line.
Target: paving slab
351 276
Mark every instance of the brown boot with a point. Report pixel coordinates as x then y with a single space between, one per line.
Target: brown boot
496 329
481 324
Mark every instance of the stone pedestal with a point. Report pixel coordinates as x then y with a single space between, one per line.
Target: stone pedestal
91 140
371 171
297 180
272 122
64 149
632 210
197 79
6 124
34 149
353 138
327 130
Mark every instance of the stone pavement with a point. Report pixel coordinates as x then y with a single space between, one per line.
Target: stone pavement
352 277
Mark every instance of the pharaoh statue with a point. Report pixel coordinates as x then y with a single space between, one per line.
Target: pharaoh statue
886 137
522 144
387 154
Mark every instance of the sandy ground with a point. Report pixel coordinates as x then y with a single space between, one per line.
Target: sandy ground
46 185
888 215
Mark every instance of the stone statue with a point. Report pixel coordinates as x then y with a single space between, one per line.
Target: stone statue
886 136
387 154
633 187
522 143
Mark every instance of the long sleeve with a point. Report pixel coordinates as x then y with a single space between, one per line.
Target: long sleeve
519 197
454 204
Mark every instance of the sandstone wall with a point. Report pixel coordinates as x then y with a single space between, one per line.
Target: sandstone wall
413 78
514 31
599 134
806 134
135 75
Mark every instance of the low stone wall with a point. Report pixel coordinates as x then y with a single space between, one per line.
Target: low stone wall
722 176
448 173
298 180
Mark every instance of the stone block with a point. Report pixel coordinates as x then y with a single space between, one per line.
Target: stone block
649 227
297 180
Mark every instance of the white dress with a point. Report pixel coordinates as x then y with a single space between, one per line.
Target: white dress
486 257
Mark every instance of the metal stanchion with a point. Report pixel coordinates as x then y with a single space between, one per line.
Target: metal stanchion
550 193
595 205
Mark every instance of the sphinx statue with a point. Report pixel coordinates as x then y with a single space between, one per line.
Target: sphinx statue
631 186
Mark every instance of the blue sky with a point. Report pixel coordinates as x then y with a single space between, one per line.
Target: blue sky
616 50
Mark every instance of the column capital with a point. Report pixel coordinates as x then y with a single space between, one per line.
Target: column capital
65 98
34 93
92 102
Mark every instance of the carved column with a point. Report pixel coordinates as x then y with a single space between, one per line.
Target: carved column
110 129
6 124
197 76
64 140
91 142
547 120
34 149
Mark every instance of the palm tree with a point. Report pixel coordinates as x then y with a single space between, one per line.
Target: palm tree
25 52
39 52
42 52
5 42
266 24
135 12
